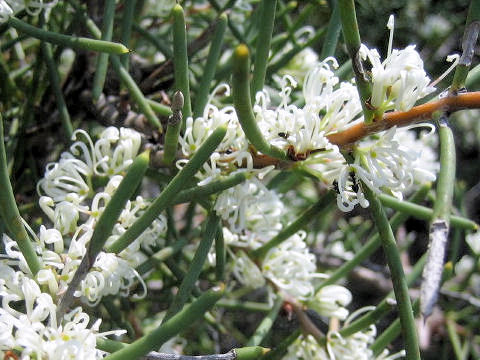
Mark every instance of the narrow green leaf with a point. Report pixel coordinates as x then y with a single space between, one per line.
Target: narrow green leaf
73 42
168 194
169 329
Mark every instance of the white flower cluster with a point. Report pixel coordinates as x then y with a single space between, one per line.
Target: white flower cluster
33 329
392 161
232 152
356 346
33 7
74 206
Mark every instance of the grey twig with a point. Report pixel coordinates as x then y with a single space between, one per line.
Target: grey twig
231 355
468 43
432 273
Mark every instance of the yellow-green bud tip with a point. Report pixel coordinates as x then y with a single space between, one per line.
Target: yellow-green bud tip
241 51
177 9
223 16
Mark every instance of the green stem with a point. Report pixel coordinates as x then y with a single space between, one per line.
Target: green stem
285 59
74 42
180 60
10 214
454 338
267 18
160 109
128 81
439 226
173 129
220 254
168 194
127 21
203 90
161 255
57 89
352 40
424 213
159 45
266 324
109 345
102 59
282 346
244 305
188 282
104 225
314 211
250 352
136 93
232 26
372 244
370 318
389 334
243 105
331 39
385 306
169 329
400 286
217 186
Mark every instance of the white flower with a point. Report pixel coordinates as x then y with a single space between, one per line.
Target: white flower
473 240
291 267
33 329
246 271
33 7
306 347
252 211
392 161
331 300
5 11
116 149
110 275
70 178
300 65
349 190
301 131
354 347
230 153
400 80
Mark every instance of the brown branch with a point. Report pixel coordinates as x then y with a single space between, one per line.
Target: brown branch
417 114
420 113
306 324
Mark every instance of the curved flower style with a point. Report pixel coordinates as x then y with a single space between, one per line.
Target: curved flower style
74 212
252 211
35 331
400 80
246 271
291 267
331 301
233 150
393 161
110 155
356 346
109 275
303 130
33 7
